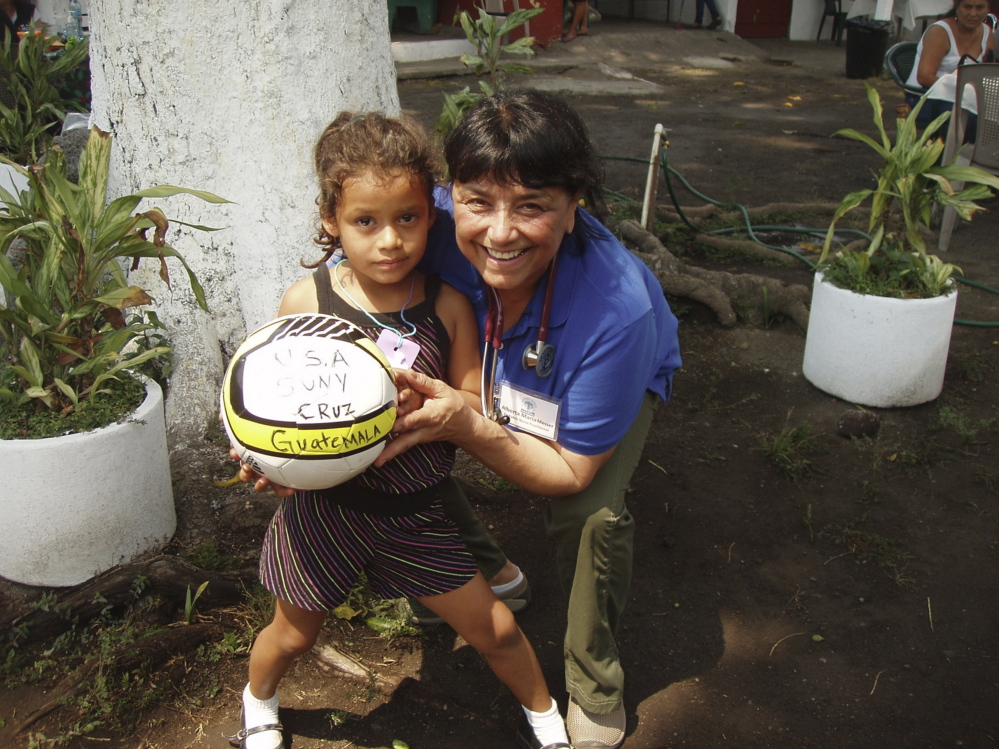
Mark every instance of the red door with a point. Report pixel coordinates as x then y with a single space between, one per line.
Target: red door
763 19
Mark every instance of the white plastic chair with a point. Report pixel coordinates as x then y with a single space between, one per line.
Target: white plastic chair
983 78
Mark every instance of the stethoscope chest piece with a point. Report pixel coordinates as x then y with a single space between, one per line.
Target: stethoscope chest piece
541 356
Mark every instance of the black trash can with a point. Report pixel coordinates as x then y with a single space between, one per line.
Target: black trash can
866 44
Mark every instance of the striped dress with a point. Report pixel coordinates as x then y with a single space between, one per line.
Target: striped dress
388 522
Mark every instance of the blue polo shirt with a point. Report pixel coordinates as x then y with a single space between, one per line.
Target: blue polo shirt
614 334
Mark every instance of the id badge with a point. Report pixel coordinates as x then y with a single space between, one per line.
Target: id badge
401 353
529 411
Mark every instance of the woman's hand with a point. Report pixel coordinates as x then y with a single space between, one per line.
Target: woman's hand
443 414
260 483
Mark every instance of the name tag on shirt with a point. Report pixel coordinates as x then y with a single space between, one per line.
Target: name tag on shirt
530 412
400 352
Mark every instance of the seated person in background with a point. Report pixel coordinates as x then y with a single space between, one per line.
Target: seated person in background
958 38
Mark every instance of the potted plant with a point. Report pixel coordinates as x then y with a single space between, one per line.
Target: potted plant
881 316
37 73
74 337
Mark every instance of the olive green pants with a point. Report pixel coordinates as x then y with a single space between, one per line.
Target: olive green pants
594 543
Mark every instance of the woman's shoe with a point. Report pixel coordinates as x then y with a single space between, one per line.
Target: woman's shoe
527 740
515 599
602 731
715 23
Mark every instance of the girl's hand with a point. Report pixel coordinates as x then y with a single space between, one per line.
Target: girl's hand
407 399
260 483
442 415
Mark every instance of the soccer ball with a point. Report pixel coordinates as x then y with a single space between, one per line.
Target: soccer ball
308 401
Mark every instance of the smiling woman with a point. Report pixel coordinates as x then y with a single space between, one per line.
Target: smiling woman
960 38
570 421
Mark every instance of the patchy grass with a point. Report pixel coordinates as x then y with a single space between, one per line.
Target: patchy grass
790 450
871 547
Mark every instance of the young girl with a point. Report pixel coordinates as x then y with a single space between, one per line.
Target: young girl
376 178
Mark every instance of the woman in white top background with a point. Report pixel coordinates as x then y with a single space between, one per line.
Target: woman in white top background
960 37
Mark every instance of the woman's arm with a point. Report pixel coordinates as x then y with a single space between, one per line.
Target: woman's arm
535 464
936 44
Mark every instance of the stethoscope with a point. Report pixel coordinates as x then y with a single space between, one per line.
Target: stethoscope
540 355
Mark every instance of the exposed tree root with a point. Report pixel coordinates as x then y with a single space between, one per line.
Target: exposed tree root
746 246
147 653
167 576
756 297
698 214
326 651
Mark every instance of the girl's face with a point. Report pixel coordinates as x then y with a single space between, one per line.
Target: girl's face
510 233
971 13
382 223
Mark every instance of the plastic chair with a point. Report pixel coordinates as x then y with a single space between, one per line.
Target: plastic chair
899 60
984 152
833 8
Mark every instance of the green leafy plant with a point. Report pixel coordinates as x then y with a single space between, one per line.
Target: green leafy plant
910 183
487 34
65 334
38 77
191 602
790 450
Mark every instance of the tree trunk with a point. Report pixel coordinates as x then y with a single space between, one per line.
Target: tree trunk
230 97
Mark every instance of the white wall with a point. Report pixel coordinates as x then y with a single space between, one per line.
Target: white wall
655 10
54 12
806 15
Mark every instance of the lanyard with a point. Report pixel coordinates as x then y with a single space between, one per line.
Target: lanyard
539 355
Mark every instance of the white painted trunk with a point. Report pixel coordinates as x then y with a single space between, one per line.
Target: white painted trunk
877 351
230 98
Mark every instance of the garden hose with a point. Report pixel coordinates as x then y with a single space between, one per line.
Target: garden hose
751 230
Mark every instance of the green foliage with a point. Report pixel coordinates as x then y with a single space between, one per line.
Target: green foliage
208 556
790 450
909 185
191 602
871 547
25 421
44 85
388 617
65 334
967 428
75 84
487 35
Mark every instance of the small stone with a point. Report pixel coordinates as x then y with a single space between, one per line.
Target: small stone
855 423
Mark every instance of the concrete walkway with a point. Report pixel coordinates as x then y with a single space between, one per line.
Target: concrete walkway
617 51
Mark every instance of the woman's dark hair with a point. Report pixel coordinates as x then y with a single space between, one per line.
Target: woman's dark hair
357 144
526 137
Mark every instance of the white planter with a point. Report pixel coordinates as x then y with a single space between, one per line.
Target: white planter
877 351
77 505
12 180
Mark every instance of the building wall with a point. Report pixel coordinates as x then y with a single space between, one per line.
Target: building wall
667 12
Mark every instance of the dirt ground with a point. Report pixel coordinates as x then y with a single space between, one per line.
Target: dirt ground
853 605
